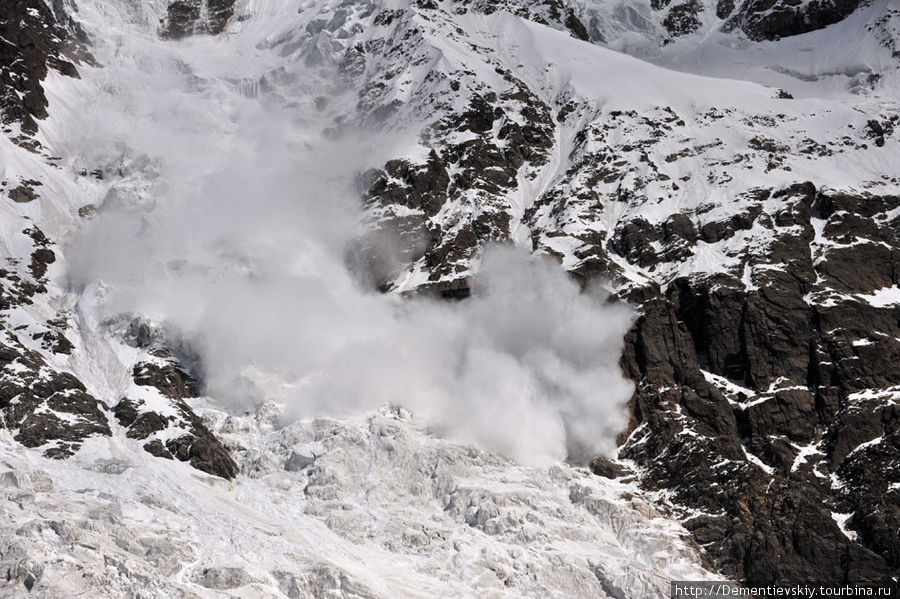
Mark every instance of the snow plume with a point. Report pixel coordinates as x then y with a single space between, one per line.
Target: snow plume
228 219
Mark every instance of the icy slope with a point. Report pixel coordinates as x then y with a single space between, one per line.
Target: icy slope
324 508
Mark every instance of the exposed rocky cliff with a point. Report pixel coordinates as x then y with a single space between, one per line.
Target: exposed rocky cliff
31 43
189 17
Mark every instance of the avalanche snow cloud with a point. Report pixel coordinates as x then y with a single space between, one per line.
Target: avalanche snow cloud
231 226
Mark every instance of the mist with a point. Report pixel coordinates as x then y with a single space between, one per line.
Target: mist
228 220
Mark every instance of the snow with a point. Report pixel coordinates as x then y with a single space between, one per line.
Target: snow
881 298
610 79
803 455
384 507
732 389
757 462
841 520
870 443
889 395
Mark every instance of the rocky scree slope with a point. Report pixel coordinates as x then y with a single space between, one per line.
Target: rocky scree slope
757 234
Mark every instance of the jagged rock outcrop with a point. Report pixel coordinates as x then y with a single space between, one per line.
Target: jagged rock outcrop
46 408
485 168
189 17
183 434
771 19
554 13
790 373
757 19
31 42
155 408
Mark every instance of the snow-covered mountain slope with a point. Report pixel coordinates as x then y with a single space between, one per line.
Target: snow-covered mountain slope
370 507
376 509
183 224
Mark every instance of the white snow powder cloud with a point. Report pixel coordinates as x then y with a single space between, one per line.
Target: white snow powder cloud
229 223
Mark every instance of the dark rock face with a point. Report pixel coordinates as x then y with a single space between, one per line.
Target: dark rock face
186 17
181 19
683 18
410 200
168 378
24 192
46 408
758 19
771 19
797 368
193 442
31 42
608 469
760 525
